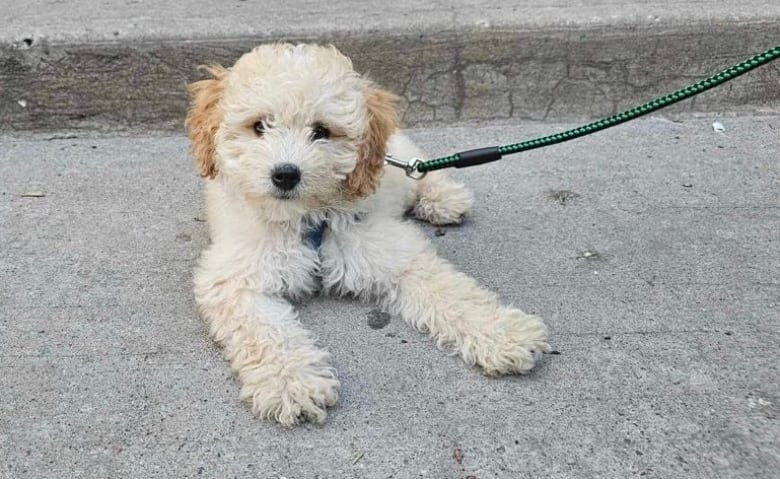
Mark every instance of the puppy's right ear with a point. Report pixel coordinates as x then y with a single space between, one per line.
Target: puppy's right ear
204 117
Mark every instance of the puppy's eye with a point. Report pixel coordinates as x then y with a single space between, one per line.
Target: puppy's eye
320 132
259 128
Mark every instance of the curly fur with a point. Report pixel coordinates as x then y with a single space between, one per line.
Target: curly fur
204 118
382 123
258 259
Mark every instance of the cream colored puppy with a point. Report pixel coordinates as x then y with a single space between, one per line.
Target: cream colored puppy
292 144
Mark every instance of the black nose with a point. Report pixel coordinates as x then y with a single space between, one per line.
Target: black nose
285 176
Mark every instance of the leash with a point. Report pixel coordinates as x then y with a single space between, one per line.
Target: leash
417 168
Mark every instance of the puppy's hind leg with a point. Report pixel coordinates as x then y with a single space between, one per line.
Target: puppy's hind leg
442 200
438 199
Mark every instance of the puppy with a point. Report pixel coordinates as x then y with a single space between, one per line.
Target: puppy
292 143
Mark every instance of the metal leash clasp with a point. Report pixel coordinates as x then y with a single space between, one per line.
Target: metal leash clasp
410 167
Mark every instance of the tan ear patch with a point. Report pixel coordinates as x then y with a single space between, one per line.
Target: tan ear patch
203 119
383 121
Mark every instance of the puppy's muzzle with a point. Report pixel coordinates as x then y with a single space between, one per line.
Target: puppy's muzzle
286 176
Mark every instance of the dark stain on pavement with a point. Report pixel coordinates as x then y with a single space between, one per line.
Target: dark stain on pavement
562 197
378 319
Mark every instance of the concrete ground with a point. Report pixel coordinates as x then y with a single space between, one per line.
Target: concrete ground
651 250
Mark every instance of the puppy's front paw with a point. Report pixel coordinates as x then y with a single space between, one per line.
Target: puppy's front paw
290 397
511 345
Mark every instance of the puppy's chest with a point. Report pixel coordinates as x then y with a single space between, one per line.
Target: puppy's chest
301 262
288 266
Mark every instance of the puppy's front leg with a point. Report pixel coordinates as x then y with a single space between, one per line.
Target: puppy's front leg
391 259
283 375
434 297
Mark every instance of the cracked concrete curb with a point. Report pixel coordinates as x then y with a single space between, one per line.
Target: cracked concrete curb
556 73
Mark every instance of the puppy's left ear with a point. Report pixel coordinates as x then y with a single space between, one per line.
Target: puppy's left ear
203 119
383 121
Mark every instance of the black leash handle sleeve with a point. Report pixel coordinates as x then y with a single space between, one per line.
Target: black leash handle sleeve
477 157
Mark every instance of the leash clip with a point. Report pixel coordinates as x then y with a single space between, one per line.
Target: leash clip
410 168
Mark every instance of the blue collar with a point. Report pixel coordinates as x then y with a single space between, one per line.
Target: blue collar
314 230
313 235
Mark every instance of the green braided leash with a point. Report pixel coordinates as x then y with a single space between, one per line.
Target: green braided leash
485 155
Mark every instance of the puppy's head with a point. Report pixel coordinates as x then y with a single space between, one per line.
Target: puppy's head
292 127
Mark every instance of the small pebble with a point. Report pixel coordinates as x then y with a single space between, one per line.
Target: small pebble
457 454
687 185
718 126
440 232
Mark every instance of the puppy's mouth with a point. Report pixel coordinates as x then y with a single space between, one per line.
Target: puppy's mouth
286 195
